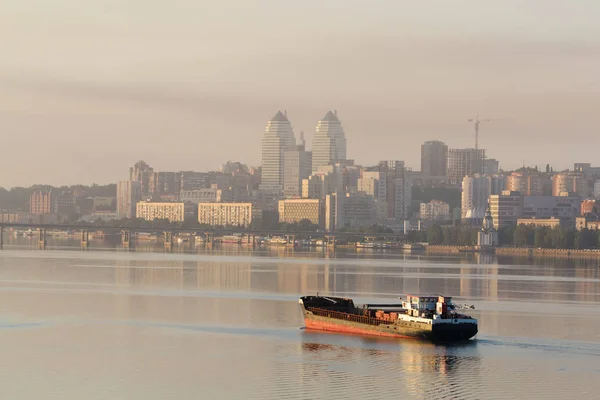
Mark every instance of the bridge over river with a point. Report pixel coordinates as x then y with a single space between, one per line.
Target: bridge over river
208 235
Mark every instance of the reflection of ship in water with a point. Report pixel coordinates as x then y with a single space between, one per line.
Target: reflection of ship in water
428 370
317 347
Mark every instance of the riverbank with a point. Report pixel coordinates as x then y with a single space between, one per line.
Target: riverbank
514 251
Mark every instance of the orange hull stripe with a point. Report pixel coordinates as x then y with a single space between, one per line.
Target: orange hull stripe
327 326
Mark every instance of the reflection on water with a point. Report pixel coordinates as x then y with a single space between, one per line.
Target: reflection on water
226 323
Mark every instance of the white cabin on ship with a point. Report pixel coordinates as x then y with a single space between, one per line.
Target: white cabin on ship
432 309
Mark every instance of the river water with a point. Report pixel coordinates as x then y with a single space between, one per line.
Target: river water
225 323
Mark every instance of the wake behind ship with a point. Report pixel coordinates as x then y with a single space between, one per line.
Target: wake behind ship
432 318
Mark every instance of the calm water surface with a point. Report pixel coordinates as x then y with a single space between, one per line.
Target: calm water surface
225 324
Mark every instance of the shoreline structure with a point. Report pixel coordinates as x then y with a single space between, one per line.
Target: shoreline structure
514 251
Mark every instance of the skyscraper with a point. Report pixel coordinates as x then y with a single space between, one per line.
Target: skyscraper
297 166
329 142
475 195
278 138
464 162
398 188
141 172
128 195
434 158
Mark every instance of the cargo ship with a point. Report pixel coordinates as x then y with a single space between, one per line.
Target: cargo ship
432 318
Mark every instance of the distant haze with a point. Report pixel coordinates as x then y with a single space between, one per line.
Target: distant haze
88 88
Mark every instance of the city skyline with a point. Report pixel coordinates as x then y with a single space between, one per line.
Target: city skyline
309 143
189 86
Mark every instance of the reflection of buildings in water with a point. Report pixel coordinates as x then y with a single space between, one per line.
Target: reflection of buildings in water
586 291
288 278
365 282
485 258
466 283
490 288
484 286
160 273
222 275
411 285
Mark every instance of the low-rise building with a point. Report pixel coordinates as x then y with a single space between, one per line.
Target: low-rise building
174 212
561 207
104 215
589 221
295 210
545 222
228 214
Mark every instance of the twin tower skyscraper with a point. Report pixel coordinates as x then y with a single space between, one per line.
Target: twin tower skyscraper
329 146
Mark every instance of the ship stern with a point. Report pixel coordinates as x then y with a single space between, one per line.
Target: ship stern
453 331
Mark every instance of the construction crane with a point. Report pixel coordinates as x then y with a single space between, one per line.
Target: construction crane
476 121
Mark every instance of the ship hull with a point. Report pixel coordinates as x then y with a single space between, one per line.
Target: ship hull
434 333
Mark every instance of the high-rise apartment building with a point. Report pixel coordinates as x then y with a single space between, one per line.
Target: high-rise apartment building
491 166
163 183
297 166
434 158
295 210
435 210
278 138
128 195
506 208
398 188
372 184
329 142
497 183
42 202
317 186
191 180
563 183
349 210
475 195
526 183
141 172
464 162
212 195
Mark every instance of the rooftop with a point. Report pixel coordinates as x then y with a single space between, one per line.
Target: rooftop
331 117
280 117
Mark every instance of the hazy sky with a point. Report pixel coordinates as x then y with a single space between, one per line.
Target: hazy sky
89 87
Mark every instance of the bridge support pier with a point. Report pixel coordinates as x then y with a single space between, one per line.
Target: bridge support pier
168 236
42 239
331 241
291 239
85 238
125 238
